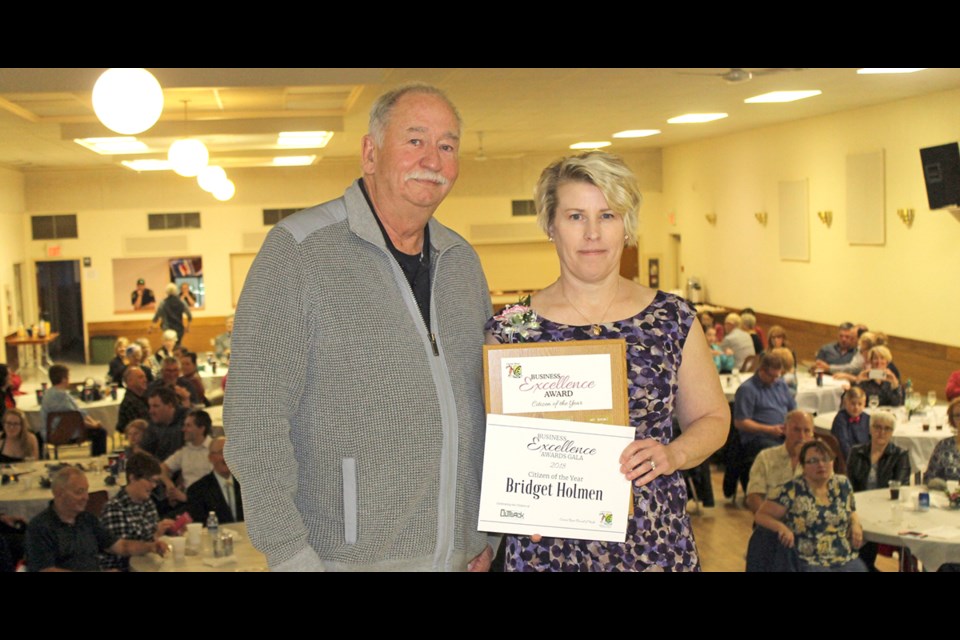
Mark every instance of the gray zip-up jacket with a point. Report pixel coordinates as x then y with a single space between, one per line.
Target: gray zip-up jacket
357 441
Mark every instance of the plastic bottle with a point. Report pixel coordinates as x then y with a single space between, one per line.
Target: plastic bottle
213 532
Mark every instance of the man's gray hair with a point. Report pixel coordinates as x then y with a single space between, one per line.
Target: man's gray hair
62 478
383 106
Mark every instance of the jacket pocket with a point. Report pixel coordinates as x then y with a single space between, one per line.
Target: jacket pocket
350 500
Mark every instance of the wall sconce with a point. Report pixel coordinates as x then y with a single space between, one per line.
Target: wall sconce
906 215
761 217
826 217
711 218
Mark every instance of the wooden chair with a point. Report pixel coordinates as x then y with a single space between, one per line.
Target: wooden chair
65 427
750 364
97 501
839 464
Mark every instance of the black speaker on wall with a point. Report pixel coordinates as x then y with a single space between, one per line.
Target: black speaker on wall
941 172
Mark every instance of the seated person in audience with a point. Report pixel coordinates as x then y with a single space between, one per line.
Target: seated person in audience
169 377
748 322
221 344
147 359
17 442
841 351
190 379
192 460
851 426
789 370
131 514
134 434
776 465
953 386
777 339
165 432
218 491
168 343
760 407
6 389
65 537
721 360
737 342
879 380
817 514
945 460
58 398
874 464
135 359
757 328
116 366
134 403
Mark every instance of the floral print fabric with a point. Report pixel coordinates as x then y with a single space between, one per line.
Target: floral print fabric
821 530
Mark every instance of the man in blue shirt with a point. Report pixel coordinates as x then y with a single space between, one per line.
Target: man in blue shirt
58 398
841 351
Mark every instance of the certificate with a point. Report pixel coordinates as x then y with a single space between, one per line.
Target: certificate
558 478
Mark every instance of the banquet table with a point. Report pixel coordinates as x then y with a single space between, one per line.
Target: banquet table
26 498
932 536
245 557
909 434
810 397
107 411
211 381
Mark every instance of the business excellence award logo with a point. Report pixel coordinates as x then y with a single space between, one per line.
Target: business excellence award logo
606 518
514 370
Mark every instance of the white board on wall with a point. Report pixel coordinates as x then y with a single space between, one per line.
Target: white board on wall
794 221
866 198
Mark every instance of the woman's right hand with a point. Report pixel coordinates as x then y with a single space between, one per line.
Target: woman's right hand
786 537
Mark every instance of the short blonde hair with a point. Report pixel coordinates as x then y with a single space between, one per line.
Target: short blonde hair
748 320
734 319
881 351
884 418
786 355
607 172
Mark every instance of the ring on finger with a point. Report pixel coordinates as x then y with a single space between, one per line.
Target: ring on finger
653 465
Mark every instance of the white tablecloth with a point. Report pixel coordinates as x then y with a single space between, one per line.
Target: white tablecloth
941 525
909 434
27 498
106 411
245 557
810 397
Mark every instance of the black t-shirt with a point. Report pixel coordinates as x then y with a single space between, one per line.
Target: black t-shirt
148 297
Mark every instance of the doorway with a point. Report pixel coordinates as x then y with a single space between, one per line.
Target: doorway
60 302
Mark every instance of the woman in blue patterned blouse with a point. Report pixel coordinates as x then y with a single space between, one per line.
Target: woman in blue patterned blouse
816 513
945 460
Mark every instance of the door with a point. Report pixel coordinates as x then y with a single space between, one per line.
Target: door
58 295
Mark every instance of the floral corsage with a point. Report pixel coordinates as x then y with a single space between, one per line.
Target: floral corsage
519 323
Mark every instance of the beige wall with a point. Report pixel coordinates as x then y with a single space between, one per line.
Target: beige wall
11 247
905 287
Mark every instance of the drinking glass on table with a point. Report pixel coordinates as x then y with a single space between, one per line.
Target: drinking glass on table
874 401
931 398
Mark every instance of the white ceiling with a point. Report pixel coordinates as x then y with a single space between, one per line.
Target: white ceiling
239 111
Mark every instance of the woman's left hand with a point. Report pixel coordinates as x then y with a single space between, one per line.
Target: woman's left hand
856 536
644 460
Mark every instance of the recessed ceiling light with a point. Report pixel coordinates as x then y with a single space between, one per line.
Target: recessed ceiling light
304 139
147 165
783 96
293 161
590 145
636 133
115 145
694 118
882 70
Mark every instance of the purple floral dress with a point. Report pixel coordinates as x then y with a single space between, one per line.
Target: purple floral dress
659 536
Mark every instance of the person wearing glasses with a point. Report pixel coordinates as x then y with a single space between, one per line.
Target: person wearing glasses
945 460
816 514
874 464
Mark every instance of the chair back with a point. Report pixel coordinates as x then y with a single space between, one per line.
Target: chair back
97 501
64 427
824 435
750 364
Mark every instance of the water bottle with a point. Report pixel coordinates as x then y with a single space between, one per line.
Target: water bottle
213 532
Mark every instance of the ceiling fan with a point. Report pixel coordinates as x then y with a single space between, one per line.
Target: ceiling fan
734 76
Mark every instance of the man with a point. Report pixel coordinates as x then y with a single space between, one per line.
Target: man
760 407
65 537
58 398
191 460
364 316
841 351
169 377
165 433
191 380
131 514
170 314
218 491
142 298
134 404
776 465
736 341
221 344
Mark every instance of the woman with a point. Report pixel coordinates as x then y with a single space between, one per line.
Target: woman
167 344
147 359
6 389
878 379
777 339
587 205
945 460
134 359
789 368
816 513
119 363
187 296
17 443
749 324
722 361
874 464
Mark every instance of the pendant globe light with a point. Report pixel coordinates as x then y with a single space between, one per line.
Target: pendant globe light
224 191
188 156
127 101
210 177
